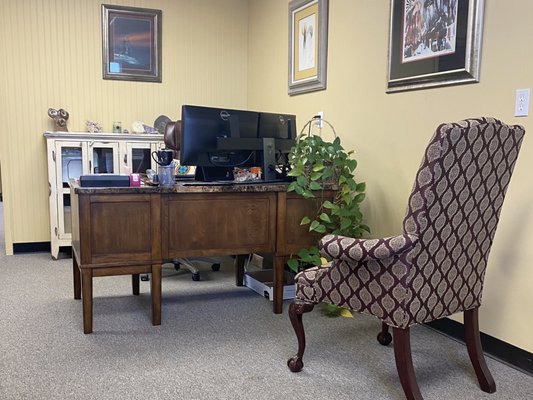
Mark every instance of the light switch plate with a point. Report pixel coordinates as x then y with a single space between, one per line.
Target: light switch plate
522 102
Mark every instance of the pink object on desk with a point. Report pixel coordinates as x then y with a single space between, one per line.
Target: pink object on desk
135 180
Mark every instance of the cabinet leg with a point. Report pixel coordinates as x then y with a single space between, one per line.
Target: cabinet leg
54 250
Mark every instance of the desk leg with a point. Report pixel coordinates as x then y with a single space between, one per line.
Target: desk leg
239 262
87 299
279 265
135 284
156 294
77 278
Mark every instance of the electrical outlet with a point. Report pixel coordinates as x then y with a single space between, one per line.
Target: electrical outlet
319 123
521 108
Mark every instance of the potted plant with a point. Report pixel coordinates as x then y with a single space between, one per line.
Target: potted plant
316 165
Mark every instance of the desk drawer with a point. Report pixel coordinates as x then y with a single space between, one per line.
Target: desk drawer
218 224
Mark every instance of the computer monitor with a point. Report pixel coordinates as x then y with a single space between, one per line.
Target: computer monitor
201 127
282 129
216 140
280 126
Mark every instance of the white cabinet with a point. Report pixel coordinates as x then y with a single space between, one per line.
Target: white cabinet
71 154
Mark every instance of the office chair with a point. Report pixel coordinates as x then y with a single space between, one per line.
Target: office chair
436 267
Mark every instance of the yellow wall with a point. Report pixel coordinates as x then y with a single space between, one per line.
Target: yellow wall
52 57
390 131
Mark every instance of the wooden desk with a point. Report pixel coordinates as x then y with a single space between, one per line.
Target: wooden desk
130 231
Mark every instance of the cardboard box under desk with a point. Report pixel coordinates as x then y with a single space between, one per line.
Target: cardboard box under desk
261 282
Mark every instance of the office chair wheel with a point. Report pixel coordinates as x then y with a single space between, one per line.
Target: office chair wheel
145 277
215 267
384 338
196 276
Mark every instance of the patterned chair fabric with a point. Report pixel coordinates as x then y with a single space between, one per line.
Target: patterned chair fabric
436 267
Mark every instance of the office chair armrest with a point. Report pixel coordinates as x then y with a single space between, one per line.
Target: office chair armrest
350 249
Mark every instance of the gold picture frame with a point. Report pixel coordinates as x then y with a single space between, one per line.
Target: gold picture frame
308 34
131 43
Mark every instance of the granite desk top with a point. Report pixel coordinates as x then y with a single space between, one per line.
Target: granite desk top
185 187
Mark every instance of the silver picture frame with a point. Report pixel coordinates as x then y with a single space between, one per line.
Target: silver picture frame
426 54
131 43
308 37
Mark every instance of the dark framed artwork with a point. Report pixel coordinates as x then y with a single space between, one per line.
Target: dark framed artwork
308 45
131 40
434 43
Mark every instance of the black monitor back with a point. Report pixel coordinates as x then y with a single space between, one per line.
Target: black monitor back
200 128
278 126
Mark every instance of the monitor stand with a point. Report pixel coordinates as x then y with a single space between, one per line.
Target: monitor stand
210 174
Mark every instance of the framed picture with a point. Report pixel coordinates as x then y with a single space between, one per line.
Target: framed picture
131 40
434 43
308 36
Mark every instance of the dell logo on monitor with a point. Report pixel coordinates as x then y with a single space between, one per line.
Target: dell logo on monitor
224 115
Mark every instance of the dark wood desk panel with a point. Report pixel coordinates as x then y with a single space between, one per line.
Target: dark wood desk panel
218 224
297 236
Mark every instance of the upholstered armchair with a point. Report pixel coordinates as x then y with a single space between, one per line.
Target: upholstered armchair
436 266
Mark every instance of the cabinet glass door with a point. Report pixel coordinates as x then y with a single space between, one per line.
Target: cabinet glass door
103 158
138 157
69 158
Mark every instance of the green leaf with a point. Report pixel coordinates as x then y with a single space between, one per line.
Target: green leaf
359 198
315 186
325 217
318 167
361 187
328 204
302 180
352 164
313 225
320 229
345 223
293 264
305 220
307 194
316 176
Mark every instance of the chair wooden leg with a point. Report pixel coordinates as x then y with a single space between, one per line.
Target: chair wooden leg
404 363
473 344
296 309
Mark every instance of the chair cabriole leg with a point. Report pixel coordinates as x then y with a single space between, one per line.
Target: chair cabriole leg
296 309
473 344
404 363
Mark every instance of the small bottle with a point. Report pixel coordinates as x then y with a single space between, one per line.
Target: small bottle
117 127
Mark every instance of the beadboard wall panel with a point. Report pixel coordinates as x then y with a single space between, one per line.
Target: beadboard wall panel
53 58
